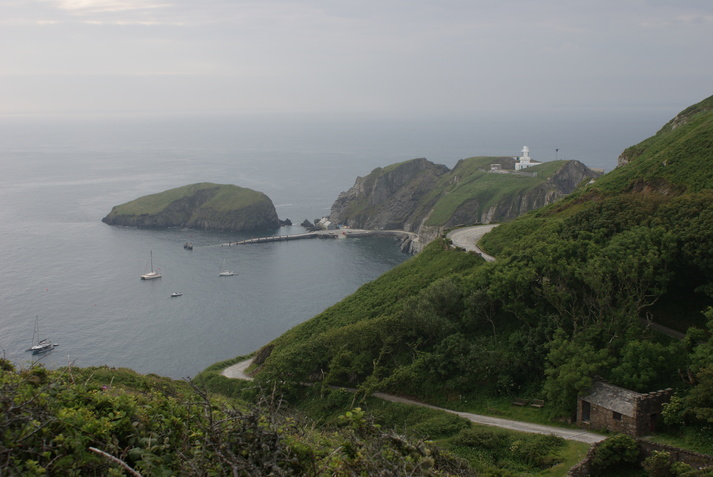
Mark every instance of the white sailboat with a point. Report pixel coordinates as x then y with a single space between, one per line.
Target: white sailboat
152 274
224 272
42 345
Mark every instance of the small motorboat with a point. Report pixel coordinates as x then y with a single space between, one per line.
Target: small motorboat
176 294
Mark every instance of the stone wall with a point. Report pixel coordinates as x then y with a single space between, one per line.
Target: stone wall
694 459
603 418
648 408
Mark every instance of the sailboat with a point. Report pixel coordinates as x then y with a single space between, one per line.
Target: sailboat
224 272
42 345
152 274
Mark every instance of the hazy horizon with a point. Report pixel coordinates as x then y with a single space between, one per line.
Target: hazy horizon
393 58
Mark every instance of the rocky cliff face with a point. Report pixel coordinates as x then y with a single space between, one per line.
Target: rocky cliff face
409 195
199 206
390 198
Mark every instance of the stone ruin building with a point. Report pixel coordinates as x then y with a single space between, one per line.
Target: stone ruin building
609 407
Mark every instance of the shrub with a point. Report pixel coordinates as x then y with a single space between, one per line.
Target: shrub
503 449
615 452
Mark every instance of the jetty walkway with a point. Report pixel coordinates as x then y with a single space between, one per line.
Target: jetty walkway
275 238
335 234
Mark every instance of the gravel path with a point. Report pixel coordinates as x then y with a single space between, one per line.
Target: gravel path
568 434
237 371
468 237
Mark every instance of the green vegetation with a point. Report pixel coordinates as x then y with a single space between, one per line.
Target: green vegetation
482 189
223 197
488 451
104 421
675 157
575 292
570 297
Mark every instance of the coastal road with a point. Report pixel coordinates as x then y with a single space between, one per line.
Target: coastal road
467 238
237 371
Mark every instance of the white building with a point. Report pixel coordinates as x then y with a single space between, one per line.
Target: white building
525 160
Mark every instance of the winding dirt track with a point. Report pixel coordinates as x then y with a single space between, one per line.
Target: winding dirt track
237 371
467 238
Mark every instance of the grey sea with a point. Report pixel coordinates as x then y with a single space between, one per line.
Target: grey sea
78 278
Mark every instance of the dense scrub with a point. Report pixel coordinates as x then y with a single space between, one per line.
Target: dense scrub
104 421
577 291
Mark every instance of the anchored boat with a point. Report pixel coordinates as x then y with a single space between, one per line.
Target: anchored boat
42 345
152 274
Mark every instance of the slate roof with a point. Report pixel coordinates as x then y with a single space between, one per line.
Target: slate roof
612 397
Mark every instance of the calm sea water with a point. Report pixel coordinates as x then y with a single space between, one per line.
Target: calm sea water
80 278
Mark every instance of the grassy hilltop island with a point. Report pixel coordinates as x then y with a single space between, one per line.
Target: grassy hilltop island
199 206
426 198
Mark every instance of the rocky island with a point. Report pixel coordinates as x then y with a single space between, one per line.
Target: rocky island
204 206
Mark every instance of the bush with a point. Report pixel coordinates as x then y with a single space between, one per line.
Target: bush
510 450
660 464
614 453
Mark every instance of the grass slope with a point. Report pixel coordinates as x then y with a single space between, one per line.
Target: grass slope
679 154
478 186
224 197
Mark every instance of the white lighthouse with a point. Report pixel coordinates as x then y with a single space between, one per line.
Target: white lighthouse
525 160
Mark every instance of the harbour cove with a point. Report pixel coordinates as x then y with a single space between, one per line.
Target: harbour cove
80 278
112 317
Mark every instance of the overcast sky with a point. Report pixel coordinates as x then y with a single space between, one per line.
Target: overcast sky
355 56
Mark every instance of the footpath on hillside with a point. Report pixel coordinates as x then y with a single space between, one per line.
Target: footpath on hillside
237 371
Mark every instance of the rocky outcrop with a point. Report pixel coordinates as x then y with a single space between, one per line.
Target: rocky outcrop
203 206
389 198
426 198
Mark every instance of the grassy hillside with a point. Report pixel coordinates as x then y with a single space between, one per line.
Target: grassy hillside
476 185
223 197
679 155
570 297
